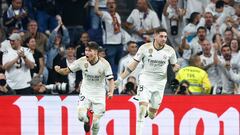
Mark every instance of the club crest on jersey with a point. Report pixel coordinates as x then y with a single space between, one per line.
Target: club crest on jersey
150 51
99 71
165 57
86 66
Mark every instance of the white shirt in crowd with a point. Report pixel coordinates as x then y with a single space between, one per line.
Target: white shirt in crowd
109 37
227 83
18 75
5 46
139 22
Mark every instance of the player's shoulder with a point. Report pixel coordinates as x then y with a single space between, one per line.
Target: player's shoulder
103 61
146 45
169 48
82 59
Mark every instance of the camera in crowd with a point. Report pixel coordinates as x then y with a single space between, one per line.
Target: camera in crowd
58 88
130 86
39 88
180 87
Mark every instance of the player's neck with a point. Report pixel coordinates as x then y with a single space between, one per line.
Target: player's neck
94 61
158 46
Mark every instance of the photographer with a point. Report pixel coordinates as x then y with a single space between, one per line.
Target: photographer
197 77
182 89
130 86
39 88
4 87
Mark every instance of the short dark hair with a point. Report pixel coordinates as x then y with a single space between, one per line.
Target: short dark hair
130 42
225 46
160 29
193 16
93 45
219 4
201 28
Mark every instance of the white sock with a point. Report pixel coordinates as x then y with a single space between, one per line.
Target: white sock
95 127
140 120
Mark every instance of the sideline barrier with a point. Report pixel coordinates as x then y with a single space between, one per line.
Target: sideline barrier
178 115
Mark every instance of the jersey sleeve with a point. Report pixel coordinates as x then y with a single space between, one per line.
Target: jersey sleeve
173 57
76 66
108 70
140 54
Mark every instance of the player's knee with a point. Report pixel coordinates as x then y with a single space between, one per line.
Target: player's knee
142 111
151 115
81 114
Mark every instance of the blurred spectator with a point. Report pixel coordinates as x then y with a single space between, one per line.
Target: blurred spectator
208 63
56 45
39 88
157 6
195 46
234 45
16 16
228 36
102 52
173 21
38 57
84 39
71 79
4 87
45 12
130 88
41 39
190 30
17 64
95 20
142 22
124 61
224 61
197 77
5 45
111 33
210 25
195 6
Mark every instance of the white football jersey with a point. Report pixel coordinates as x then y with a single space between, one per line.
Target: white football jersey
18 75
93 83
155 62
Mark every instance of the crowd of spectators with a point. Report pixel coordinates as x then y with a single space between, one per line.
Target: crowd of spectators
204 33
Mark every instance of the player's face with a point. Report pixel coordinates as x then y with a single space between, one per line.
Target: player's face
90 54
160 38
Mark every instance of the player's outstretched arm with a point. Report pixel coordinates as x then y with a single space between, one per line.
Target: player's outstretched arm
131 67
111 88
62 71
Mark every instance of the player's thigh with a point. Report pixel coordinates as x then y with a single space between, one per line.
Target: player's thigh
143 94
156 99
99 108
83 103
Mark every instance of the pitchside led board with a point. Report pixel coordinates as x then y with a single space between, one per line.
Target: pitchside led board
178 115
